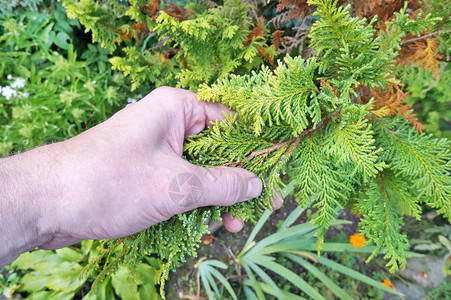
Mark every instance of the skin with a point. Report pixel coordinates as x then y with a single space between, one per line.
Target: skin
113 180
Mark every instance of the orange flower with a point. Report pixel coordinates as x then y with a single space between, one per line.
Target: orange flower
388 283
357 240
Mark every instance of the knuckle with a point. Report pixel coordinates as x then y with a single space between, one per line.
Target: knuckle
162 90
234 187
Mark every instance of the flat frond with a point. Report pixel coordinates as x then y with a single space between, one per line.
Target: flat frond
422 158
353 143
318 180
382 224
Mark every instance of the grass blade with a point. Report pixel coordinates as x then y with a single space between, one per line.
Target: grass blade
278 236
265 277
294 215
215 263
224 282
256 229
287 295
354 274
255 285
248 291
289 275
208 274
320 275
299 244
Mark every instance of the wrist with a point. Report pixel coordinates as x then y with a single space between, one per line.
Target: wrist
29 183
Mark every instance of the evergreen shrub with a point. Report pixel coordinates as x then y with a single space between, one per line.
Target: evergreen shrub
334 123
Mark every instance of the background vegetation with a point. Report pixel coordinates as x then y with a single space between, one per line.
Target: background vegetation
65 67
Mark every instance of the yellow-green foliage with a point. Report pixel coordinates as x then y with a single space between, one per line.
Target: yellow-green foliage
207 46
49 93
213 43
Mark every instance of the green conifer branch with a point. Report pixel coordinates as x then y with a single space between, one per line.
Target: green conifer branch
99 19
423 159
286 97
212 44
382 224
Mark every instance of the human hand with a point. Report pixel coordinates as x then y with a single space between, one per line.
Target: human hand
127 173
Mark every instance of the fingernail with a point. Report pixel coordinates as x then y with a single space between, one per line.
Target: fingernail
254 188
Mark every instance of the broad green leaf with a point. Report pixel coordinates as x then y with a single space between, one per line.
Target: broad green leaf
69 254
121 282
145 274
445 242
65 277
33 282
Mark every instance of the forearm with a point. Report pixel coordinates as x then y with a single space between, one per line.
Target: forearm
27 181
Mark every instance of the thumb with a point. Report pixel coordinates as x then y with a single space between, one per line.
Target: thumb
220 186
225 186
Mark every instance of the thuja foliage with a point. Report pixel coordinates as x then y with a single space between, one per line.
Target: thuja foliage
180 52
307 120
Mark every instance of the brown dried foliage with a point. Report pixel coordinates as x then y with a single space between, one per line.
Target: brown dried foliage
277 38
295 9
258 34
152 9
209 3
287 43
177 12
290 10
423 54
384 9
135 31
390 102
421 51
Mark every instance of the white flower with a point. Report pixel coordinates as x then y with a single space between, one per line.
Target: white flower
9 77
18 83
25 95
139 96
8 92
131 100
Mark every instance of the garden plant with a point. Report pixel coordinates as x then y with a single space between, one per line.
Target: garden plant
337 98
292 242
